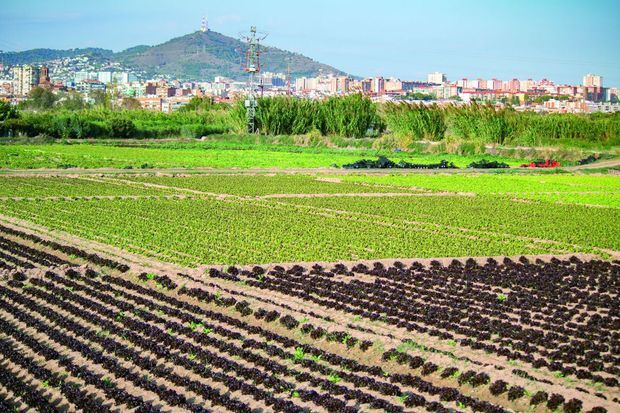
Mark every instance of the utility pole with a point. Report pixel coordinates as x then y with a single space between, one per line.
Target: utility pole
252 67
288 77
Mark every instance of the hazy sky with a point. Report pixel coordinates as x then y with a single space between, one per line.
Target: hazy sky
558 39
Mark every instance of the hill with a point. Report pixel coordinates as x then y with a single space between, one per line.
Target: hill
202 55
43 55
195 56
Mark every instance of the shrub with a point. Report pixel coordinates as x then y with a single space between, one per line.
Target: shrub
122 128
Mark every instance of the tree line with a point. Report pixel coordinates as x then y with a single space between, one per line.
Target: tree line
68 116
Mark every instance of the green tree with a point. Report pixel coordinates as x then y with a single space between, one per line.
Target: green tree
72 101
420 96
41 99
100 98
7 111
122 128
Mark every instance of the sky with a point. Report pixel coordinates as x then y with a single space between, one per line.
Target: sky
556 39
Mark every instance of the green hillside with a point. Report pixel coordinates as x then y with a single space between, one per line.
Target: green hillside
195 56
201 55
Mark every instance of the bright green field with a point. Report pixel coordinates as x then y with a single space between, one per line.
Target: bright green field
337 224
561 188
199 155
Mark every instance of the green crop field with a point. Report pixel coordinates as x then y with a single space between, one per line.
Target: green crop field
208 155
269 218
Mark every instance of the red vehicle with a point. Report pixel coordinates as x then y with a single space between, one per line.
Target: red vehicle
548 163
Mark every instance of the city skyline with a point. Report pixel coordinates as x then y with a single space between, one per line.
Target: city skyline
401 39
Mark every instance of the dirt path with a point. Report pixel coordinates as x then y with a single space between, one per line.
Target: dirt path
608 163
367 195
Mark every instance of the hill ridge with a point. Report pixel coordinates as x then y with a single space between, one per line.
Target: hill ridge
194 56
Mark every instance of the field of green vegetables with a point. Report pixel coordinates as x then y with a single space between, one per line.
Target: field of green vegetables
201 155
41 187
323 217
566 188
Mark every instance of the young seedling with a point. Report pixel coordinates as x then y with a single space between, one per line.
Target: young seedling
502 297
207 330
192 356
334 378
195 325
103 333
150 276
299 353
403 398
295 394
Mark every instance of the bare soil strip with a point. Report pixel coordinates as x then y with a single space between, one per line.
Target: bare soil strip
367 195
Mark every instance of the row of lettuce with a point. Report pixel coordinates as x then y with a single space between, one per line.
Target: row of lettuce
353 116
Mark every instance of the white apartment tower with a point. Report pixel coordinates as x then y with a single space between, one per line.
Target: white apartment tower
25 78
437 78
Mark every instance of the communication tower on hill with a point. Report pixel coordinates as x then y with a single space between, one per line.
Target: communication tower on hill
204 26
252 67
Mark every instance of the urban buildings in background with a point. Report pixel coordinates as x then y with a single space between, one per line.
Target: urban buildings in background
76 74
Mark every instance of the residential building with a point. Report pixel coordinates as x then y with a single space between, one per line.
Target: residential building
393 85
591 80
84 75
378 85
514 86
104 77
25 78
436 78
90 85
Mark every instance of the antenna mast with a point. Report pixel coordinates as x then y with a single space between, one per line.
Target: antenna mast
252 67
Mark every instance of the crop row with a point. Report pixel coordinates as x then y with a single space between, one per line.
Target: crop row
582 226
261 231
539 314
45 259
426 369
256 185
23 255
221 339
18 186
